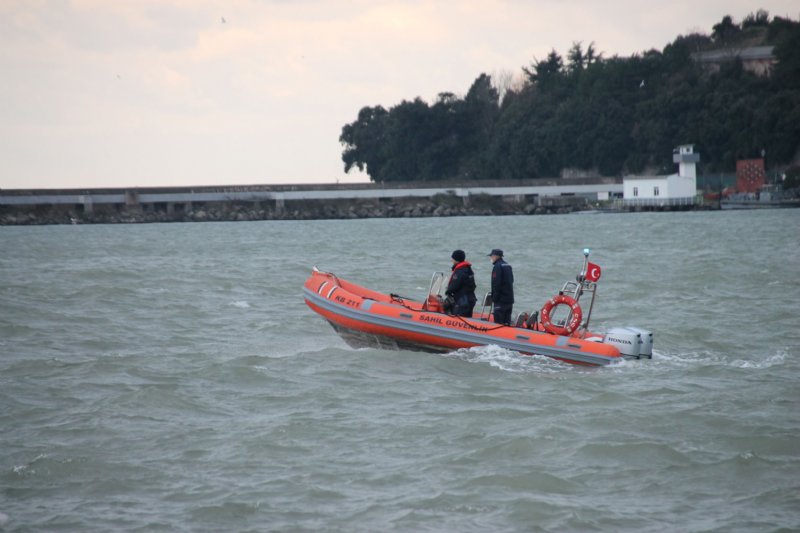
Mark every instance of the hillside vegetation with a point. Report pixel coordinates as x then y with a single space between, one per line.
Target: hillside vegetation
608 116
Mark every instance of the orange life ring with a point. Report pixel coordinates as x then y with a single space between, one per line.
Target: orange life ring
574 322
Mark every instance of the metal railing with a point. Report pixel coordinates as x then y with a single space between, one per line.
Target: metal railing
657 202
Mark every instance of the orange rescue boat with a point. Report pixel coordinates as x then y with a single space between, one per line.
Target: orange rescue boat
366 318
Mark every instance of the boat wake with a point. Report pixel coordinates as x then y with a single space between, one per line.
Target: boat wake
710 358
509 360
769 361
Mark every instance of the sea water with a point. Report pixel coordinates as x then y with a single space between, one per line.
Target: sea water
170 377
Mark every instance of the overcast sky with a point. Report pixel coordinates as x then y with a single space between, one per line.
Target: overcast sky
101 93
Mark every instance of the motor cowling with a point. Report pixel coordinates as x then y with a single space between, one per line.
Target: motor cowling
625 340
631 341
645 341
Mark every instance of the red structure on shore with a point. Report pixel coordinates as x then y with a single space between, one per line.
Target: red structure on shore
750 175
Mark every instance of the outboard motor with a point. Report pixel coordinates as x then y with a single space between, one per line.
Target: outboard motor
627 341
646 341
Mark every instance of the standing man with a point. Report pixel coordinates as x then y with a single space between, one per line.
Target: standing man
502 288
462 285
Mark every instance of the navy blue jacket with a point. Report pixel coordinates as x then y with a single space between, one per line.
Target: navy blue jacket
462 288
502 283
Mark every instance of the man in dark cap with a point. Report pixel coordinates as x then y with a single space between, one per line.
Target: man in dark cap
502 288
461 287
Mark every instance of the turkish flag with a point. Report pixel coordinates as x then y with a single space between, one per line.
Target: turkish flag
592 272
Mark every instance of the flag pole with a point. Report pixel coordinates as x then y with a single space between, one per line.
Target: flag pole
581 279
593 289
585 264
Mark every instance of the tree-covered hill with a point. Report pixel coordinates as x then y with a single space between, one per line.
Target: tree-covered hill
609 116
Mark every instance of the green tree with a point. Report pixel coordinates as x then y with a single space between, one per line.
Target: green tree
545 71
725 30
758 19
365 142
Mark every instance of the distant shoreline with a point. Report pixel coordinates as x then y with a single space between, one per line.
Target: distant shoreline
322 202
239 211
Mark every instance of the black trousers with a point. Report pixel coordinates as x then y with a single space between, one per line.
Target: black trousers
463 311
502 313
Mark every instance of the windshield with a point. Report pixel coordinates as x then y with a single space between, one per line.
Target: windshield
438 284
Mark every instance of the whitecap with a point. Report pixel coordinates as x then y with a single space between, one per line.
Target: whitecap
242 304
153 290
772 360
22 470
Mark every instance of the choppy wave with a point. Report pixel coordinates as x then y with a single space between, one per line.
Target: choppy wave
195 390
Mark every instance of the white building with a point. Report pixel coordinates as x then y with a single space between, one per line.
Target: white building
674 189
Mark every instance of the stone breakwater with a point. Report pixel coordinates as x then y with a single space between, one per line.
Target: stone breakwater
436 206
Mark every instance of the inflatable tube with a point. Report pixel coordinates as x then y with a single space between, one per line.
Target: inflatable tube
367 318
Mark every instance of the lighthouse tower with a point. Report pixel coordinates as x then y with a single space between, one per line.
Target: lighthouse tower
687 161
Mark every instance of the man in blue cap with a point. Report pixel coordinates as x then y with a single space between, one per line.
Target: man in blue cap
502 288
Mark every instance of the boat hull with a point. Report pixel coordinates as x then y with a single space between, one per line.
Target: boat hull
367 318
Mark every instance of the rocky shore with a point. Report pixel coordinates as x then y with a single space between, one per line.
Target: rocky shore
436 206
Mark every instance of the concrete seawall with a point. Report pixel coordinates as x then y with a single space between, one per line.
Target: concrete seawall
302 202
